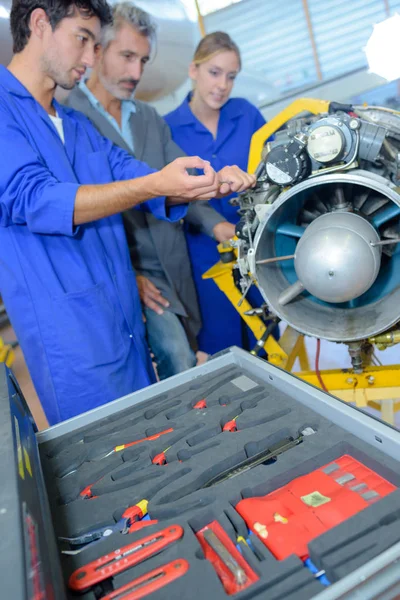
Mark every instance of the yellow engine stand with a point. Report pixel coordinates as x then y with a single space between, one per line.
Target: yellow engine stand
377 387
6 353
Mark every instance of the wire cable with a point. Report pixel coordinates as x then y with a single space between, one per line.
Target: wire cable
317 371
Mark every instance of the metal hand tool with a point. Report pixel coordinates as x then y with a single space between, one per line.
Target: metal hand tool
150 582
150 438
124 558
258 459
231 567
67 465
94 431
160 458
231 564
124 525
129 516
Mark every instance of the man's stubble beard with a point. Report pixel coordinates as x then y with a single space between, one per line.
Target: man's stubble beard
51 69
113 88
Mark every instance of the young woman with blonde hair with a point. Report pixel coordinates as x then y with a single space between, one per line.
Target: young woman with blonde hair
218 128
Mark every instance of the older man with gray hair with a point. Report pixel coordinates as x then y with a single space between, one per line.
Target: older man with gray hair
158 248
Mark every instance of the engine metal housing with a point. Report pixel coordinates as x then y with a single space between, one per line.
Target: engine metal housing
368 301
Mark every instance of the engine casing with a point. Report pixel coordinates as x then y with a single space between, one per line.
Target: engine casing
336 225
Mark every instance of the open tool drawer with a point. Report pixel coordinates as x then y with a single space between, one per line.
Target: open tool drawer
234 479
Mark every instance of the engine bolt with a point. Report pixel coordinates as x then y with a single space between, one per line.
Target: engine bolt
371 380
350 380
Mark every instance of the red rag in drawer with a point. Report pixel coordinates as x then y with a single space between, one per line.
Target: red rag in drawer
287 519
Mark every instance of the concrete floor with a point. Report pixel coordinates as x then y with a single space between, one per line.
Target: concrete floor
333 356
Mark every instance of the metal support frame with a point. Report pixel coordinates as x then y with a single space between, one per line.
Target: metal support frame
312 40
222 275
200 19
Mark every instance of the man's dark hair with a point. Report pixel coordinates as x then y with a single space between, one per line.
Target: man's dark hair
56 10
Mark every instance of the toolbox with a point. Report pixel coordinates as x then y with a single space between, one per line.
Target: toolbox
234 479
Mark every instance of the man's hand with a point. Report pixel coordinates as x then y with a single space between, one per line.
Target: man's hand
93 202
233 179
224 231
150 295
174 182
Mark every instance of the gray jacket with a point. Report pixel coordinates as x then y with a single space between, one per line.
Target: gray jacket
158 248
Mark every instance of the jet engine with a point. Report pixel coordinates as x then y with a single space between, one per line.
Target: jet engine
320 232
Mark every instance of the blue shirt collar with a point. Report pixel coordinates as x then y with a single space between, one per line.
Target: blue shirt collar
12 84
128 106
230 110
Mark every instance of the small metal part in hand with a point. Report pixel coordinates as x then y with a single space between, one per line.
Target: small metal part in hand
228 560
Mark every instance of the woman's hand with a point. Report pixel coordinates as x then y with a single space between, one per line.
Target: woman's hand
232 179
224 231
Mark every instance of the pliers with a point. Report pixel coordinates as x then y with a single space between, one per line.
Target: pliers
126 524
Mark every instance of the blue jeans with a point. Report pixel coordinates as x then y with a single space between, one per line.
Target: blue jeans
168 342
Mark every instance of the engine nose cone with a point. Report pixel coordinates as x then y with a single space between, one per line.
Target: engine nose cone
334 259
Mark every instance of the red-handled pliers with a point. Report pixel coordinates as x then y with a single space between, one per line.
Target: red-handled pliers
124 525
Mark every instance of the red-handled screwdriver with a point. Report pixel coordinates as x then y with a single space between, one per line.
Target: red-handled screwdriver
231 425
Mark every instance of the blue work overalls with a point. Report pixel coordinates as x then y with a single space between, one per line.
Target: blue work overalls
70 292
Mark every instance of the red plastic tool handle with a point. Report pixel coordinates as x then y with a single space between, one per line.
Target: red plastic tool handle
160 459
128 556
135 512
87 492
150 438
200 405
152 581
141 524
230 426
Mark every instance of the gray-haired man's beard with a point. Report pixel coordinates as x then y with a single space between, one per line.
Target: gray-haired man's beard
115 89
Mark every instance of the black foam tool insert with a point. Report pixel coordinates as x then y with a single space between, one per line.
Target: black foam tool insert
196 450
359 539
